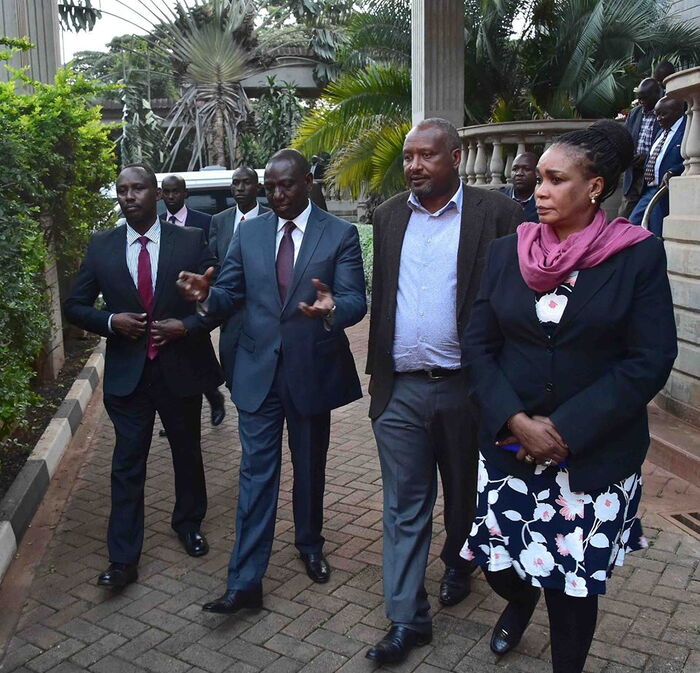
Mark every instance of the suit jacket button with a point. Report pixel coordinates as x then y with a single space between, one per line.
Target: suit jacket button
549 387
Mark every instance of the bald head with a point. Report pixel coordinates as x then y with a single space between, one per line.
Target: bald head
668 111
648 93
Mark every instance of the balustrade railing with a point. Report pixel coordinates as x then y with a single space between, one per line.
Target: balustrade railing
488 150
685 86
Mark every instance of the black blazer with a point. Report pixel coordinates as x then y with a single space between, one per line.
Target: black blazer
486 215
610 354
530 209
195 218
190 366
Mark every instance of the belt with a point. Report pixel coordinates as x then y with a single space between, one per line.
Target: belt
435 373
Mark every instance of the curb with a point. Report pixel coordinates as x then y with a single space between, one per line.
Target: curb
24 496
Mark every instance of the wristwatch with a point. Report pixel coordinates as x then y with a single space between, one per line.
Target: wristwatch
330 316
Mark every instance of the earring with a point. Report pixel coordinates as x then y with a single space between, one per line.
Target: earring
593 198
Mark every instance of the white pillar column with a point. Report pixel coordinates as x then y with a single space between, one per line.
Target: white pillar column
437 60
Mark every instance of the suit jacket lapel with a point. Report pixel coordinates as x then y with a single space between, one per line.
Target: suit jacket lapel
312 235
164 256
469 236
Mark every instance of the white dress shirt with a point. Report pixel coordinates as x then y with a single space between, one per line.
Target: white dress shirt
253 212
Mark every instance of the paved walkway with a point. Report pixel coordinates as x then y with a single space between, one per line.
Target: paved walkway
56 620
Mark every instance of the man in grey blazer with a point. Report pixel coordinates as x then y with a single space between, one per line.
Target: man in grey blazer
299 271
244 189
429 250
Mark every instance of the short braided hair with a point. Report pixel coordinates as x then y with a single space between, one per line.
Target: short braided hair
608 150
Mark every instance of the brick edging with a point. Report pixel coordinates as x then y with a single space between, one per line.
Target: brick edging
27 490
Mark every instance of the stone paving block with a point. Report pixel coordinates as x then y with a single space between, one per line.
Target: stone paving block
112 664
291 647
328 640
650 623
123 625
616 654
268 626
98 650
142 643
692 665
42 636
192 633
19 657
55 655
158 662
83 630
324 662
659 665
211 661
283 665
248 653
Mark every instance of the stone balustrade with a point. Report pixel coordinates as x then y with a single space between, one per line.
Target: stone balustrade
681 395
489 149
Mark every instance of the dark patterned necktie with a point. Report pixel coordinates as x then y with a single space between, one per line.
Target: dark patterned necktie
145 289
285 261
172 219
650 169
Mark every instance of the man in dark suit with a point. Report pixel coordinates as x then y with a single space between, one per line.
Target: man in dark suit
244 188
664 161
174 193
429 249
159 358
299 271
643 127
522 191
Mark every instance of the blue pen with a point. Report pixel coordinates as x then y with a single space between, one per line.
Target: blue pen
516 447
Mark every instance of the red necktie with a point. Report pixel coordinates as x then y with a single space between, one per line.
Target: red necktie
145 288
285 261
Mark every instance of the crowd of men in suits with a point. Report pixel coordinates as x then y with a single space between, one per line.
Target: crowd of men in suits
284 283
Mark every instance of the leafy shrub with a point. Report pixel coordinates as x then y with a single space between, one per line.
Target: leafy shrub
366 243
56 157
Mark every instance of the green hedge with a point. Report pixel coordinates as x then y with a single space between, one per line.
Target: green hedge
56 157
366 243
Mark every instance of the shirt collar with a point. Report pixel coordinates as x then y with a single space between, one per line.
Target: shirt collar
300 220
153 234
253 212
455 202
180 215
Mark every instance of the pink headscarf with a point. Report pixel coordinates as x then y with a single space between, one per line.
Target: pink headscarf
545 261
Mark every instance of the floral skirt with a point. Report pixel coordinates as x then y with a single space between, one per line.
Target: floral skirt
554 537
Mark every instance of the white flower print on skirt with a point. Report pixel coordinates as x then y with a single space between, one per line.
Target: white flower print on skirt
550 535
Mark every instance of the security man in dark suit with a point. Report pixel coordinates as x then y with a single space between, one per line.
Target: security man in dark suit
429 248
244 189
159 359
174 193
522 191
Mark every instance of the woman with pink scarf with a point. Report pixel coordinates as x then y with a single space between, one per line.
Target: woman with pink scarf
571 335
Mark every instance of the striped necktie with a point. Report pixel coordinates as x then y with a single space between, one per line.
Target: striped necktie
650 168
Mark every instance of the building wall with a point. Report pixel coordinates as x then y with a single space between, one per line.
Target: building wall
686 10
37 20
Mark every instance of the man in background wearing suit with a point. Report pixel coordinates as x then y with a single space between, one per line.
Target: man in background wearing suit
522 190
664 161
244 188
159 359
429 250
174 193
643 127
299 271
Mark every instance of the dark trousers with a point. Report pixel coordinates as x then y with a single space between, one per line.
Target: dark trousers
261 445
133 417
427 424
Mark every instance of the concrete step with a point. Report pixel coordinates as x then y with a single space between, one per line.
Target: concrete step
675 445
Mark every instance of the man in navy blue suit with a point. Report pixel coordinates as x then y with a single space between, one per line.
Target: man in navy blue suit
663 163
299 271
174 193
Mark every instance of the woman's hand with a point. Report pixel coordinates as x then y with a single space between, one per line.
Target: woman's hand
538 438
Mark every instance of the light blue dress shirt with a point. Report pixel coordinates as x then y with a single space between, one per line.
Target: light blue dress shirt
426 303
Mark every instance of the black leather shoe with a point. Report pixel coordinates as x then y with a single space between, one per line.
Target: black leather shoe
218 410
317 568
455 586
118 575
395 645
234 600
195 543
512 623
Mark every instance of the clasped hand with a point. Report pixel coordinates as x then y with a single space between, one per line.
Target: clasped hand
133 326
538 437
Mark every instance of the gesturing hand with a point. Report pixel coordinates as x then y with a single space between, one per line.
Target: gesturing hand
165 331
130 325
323 304
193 286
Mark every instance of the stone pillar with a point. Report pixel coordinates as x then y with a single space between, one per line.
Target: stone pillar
681 395
437 58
